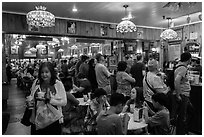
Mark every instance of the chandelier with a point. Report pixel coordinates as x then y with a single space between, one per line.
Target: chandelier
40 17
168 34
126 25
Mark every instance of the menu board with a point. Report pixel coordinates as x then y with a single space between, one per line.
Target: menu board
174 52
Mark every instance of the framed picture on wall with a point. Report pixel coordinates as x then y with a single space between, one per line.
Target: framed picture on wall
14 50
107 49
71 27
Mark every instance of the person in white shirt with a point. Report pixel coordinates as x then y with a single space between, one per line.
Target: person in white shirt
102 74
153 83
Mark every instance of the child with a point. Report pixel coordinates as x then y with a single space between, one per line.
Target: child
109 122
159 123
97 104
136 100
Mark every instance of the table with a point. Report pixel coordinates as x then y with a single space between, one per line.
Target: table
133 125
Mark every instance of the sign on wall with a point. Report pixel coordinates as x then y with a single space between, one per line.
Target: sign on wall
174 52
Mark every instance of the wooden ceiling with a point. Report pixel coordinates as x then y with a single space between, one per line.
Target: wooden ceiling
144 13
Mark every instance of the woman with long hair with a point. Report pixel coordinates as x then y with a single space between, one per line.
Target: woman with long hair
92 74
47 89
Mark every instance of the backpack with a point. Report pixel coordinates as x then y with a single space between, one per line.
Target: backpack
170 78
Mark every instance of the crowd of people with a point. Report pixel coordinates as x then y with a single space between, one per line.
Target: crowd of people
135 84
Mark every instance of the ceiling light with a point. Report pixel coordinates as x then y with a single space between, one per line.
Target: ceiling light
126 25
74 9
74 47
168 34
40 17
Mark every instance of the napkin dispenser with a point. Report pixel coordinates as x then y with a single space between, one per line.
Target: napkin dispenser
137 114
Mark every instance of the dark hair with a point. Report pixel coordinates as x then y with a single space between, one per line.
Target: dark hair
50 66
116 99
185 56
81 75
84 58
99 92
91 62
160 98
139 57
122 65
65 61
98 57
71 58
67 82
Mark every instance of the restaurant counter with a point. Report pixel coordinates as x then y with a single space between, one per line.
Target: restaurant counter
196 100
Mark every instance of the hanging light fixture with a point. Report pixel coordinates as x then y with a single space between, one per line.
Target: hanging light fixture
40 17
33 49
40 46
28 52
60 50
126 25
168 34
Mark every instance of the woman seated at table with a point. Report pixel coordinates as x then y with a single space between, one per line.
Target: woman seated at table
98 104
136 100
159 123
84 86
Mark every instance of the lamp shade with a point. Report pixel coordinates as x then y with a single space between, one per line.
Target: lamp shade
168 34
60 50
40 17
28 52
33 49
126 26
40 46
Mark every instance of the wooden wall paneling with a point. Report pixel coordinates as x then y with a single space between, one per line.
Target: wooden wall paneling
4 22
110 32
119 35
24 24
60 27
11 22
87 29
82 28
56 26
144 33
18 23
63 27
91 29
78 27
114 32
97 29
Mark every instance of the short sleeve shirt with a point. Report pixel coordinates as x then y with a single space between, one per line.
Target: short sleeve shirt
102 75
109 124
155 82
184 84
161 122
